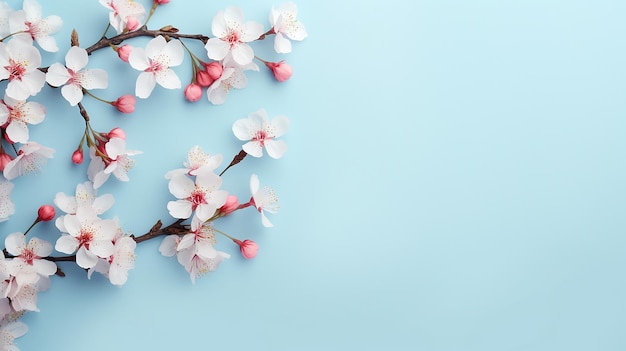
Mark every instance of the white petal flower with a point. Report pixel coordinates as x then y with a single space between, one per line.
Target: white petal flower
202 197
123 12
18 114
90 235
232 35
28 259
6 205
74 78
19 63
233 76
31 157
197 160
262 133
30 21
264 199
154 63
9 331
286 26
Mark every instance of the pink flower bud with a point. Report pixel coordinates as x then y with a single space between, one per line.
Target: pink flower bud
77 156
4 160
117 133
46 213
132 24
161 2
204 78
214 69
124 52
125 103
281 70
231 205
193 92
248 248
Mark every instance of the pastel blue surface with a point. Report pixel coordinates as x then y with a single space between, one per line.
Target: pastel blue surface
454 181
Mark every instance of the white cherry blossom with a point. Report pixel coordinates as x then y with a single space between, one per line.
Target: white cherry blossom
7 208
30 21
233 76
118 162
154 62
197 161
286 26
31 157
124 14
201 197
17 114
87 235
85 195
116 266
264 199
19 63
232 35
74 78
195 251
28 263
261 133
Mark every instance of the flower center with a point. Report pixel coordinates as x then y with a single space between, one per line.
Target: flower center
232 37
28 255
260 136
16 70
85 238
196 199
155 66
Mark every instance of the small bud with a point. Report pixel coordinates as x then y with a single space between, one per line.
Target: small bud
281 70
193 92
132 24
117 133
215 69
204 78
77 156
123 52
46 213
74 38
248 248
231 205
161 2
125 103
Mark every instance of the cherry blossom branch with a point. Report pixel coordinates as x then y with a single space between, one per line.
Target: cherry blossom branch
238 158
167 32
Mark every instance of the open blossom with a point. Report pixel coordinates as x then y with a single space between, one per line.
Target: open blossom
74 78
202 196
154 62
125 14
87 235
264 200
194 251
30 157
197 161
30 21
286 26
19 63
118 162
232 76
116 266
232 35
28 263
17 114
262 133
85 195
6 205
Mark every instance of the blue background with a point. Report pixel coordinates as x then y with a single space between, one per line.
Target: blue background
454 181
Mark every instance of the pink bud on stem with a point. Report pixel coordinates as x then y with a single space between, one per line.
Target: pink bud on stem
282 71
77 156
248 248
125 103
193 92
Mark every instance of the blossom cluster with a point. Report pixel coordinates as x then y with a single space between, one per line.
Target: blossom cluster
89 237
